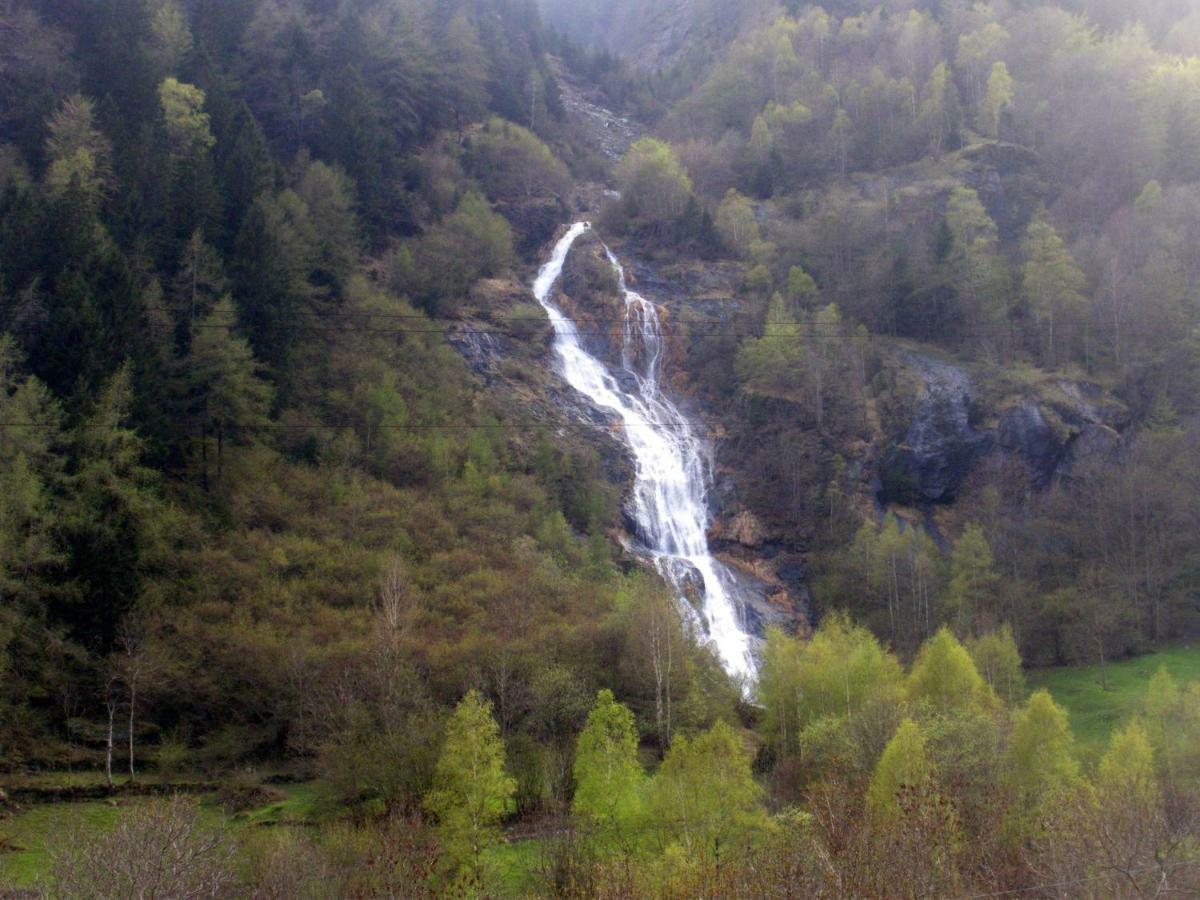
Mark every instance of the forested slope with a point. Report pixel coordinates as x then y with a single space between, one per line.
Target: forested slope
252 497
967 295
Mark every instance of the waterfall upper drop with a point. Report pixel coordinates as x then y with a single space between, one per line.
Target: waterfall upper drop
672 470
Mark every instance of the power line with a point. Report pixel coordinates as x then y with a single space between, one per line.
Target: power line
347 426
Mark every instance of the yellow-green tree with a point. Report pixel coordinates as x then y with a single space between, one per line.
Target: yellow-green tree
471 790
1053 283
999 662
187 124
610 784
972 577
944 677
705 796
1041 762
78 151
836 674
736 223
978 272
998 99
654 185
905 765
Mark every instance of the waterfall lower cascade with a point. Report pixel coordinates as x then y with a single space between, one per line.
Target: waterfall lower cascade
672 470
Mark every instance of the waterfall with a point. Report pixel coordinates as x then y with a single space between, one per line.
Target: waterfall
671 462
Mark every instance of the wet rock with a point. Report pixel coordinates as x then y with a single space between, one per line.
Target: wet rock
744 529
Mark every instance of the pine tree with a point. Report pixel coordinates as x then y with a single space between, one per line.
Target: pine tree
225 394
471 790
247 171
118 530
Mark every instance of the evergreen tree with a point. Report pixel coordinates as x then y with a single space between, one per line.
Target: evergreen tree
247 171
225 395
118 532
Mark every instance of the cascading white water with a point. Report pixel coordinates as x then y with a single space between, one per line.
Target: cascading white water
672 472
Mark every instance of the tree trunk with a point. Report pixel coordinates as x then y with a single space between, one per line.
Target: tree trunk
132 714
108 752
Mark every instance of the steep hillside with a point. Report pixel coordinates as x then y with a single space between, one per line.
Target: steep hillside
653 35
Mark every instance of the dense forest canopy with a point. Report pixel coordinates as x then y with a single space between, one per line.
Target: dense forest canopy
290 489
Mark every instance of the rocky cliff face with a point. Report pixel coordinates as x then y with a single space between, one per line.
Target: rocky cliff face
968 420
941 444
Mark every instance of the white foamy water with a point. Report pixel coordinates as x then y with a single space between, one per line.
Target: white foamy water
672 471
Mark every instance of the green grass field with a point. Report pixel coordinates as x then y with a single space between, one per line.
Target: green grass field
1094 711
25 837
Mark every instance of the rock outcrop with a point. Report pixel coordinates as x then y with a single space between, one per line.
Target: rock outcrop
941 445
1050 429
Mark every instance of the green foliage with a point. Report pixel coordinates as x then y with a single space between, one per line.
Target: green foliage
471 790
188 127
944 676
225 393
1041 755
999 662
998 100
514 164
904 766
655 188
1128 769
610 785
972 577
1052 282
1097 713
736 223
471 243
705 797
79 154
841 673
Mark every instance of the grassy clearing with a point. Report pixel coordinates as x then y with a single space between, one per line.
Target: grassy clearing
1095 712
27 835
24 838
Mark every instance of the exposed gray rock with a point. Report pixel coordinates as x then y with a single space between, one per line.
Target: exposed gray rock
1025 433
1095 445
941 445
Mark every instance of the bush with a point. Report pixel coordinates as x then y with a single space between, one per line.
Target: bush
160 849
